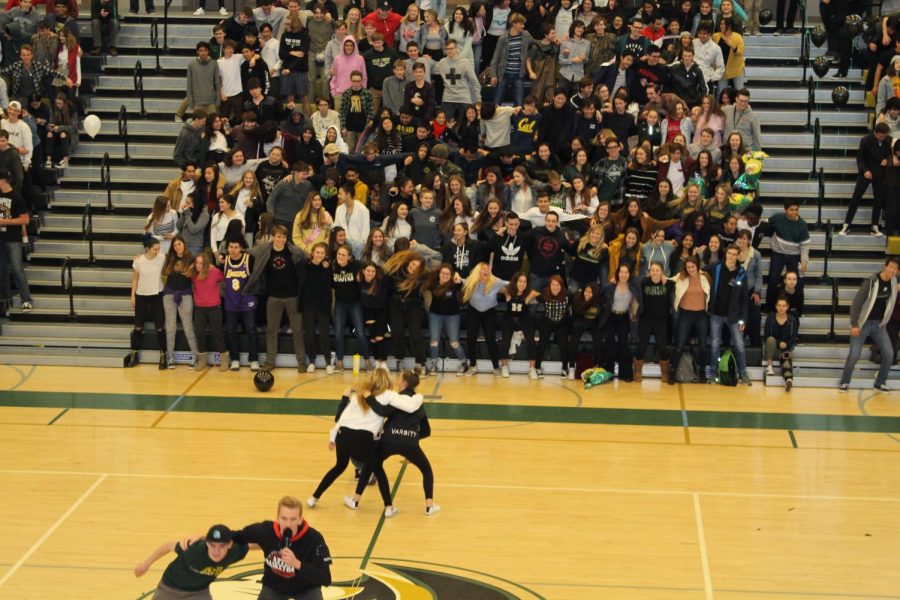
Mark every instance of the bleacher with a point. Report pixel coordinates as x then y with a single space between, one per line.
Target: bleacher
98 332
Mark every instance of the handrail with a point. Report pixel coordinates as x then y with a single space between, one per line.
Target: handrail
139 84
106 181
154 41
68 287
123 131
817 144
829 243
810 101
87 231
834 307
804 48
168 3
820 197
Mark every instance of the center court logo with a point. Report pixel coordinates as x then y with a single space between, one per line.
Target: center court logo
384 579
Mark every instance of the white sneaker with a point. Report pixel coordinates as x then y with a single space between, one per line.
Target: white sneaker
311 368
473 370
504 370
235 365
179 119
844 229
311 501
349 503
532 373
770 370
391 511
223 12
63 163
27 307
199 12
254 365
328 370
876 232
430 510
571 374
788 384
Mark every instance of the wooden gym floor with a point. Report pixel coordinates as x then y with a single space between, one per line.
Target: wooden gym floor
548 490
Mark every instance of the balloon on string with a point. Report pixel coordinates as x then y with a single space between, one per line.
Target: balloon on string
92 124
840 95
821 65
765 16
818 36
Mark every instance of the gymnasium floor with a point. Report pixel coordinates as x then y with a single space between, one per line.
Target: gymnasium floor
548 490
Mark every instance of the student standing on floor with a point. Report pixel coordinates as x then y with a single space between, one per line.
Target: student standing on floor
315 306
206 279
553 322
589 314
729 295
444 287
480 292
240 305
276 273
146 299
518 317
406 425
178 299
406 270
374 297
347 307
656 292
869 314
692 290
623 296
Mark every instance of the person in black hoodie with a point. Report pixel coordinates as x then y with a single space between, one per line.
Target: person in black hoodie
345 272
657 293
294 55
406 270
307 148
270 172
315 305
374 293
403 430
872 159
518 316
507 249
546 248
589 314
462 252
557 122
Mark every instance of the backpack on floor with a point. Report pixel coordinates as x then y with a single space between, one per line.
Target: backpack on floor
583 362
686 370
727 372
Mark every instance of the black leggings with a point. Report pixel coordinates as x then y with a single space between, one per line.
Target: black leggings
411 452
376 324
510 325
408 315
351 443
486 320
149 308
209 317
618 329
658 326
579 326
558 329
317 314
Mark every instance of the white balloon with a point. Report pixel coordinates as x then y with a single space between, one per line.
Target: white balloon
92 125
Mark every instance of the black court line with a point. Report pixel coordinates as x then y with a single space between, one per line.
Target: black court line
58 417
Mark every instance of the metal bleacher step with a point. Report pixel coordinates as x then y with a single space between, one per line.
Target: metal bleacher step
91 173
102 224
45 248
102 280
63 356
135 150
71 198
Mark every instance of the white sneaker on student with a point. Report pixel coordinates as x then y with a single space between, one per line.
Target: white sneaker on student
473 370
349 503
199 12
328 370
223 12
430 510
311 368
311 501
571 374
235 365
504 370
254 365
391 511
532 373
876 232
844 230
770 370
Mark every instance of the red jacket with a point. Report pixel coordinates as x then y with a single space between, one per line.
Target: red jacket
387 27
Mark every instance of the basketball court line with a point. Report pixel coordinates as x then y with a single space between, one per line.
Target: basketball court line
684 415
58 417
23 377
793 438
178 400
482 486
18 564
704 557
381 519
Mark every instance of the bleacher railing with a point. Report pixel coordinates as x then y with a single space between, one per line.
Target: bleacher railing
154 41
87 232
820 197
166 6
123 130
829 242
817 145
805 49
106 181
139 85
810 101
67 285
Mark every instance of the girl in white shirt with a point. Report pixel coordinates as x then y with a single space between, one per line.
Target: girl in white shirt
219 224
353 217
162 223
146 299
396 225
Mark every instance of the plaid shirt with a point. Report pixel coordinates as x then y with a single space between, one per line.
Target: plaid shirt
16 72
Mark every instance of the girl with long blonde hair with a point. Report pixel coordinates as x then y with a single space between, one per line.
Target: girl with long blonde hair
480 292
406 309
312 223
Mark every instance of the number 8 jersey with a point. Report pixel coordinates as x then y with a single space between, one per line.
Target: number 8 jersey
236 276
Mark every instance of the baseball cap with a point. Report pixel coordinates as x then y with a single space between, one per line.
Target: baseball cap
384 5
332 149
440 151
15 104
219 533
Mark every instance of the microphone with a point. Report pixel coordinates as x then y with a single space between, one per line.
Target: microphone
286 537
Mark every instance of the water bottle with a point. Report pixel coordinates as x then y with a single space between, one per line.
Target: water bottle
357 362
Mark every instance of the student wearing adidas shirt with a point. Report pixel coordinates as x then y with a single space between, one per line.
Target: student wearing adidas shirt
405 426
508 250
297 560
728 300
870 312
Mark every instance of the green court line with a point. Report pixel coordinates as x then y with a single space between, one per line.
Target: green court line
377 532
467 412
793 439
